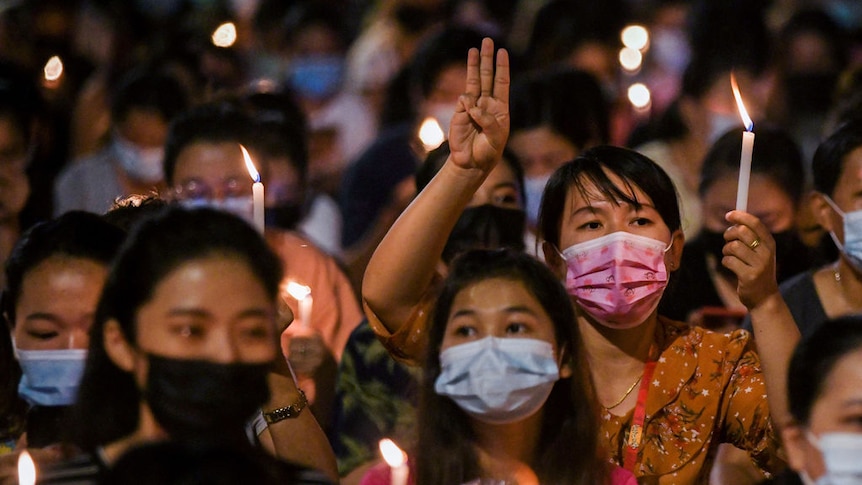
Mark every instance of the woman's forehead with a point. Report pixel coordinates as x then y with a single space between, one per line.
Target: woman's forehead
585 191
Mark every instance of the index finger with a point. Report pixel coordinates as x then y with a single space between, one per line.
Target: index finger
749 220
502 80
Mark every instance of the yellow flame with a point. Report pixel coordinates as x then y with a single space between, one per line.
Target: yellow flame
431 134
224 35
297 290
53 68
249 165
393 455
26 469
746 120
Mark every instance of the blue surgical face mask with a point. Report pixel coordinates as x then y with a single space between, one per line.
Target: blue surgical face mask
242 207
316 77
852 247
841 455
533 189
498 380
50 377
141 164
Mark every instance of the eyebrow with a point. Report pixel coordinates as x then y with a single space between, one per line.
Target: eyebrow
200 313
509 309
43 316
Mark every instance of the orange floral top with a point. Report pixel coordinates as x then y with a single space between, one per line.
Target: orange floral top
707 388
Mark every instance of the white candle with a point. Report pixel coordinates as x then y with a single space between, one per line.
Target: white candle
256 190
302 294
747 149
26 469
397 461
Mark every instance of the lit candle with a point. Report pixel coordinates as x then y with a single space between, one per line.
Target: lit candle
302 294
747 149
431 134
225 35
26 469
256 190
397 461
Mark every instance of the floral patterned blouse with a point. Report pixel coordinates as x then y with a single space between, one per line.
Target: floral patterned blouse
707 388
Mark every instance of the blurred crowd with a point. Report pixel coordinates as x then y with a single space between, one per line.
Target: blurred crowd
120 108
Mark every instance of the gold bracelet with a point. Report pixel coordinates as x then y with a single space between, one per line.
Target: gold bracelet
287 412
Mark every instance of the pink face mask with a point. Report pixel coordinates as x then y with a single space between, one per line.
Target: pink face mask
618 279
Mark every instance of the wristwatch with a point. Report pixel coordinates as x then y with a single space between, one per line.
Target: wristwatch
286 412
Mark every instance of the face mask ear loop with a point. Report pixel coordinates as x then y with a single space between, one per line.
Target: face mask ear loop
834 205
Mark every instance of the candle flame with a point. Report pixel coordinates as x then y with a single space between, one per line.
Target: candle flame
431 134
746 120
639 96
26 469
393 455
224 35
249 165
297 290
53 68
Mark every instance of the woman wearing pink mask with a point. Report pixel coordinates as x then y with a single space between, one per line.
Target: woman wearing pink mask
611 229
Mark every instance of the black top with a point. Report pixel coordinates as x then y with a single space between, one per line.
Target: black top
171 462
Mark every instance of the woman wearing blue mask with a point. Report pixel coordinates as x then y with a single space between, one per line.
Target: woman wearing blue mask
611 227
836 288
55 274
505 396
824 443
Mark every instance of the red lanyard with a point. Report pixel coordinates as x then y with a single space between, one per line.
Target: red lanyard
637 430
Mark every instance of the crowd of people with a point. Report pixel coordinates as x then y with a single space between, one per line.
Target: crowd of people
233 252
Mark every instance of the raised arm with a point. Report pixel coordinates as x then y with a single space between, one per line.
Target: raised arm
750 253
404 263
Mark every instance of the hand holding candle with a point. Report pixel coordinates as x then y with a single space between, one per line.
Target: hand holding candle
256 189
397 461
747 149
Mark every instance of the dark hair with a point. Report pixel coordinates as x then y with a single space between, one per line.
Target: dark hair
635 170
828 164
149 90
445 48
214 122
107 406
20 100
814 359
128 211
569 450
280 127
776 155
437 157
75 234
568 101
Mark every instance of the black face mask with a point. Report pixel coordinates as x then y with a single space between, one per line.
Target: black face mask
202 401
486 226
712 243
284 216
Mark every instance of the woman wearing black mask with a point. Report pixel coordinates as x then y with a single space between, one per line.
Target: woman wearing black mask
183 345
704 291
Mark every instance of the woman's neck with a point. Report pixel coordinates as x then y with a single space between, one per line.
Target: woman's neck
505 448
615 347
148 431
846 281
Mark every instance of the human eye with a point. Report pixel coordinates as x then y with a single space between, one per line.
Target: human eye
256 331
188 330
590 226
517 328
465 331
43 334
642 221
